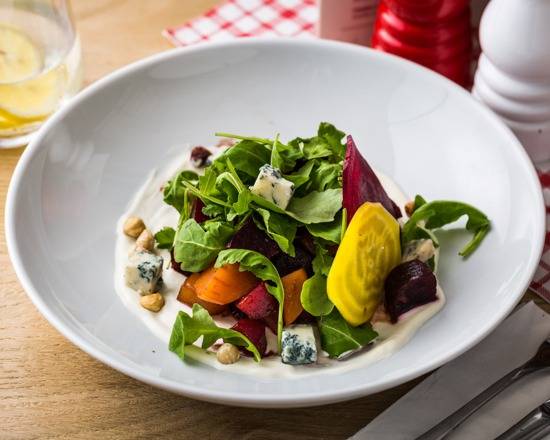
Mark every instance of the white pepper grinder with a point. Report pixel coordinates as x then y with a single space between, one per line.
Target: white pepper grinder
513 73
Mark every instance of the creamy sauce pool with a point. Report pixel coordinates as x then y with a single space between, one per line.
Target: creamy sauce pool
148 205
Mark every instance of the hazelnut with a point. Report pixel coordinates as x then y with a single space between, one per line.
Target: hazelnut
133 226
145 241
228 354
153 302
409 208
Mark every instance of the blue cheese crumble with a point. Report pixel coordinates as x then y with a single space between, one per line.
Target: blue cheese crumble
272 186
143 271
298 345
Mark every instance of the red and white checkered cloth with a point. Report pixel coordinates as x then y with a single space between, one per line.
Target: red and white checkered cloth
541 281
297 18
248 18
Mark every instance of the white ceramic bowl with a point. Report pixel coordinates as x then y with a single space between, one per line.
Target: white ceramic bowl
77 176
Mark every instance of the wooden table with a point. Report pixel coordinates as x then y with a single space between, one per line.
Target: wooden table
49 389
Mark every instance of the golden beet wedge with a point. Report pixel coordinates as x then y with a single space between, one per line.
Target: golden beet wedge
370 249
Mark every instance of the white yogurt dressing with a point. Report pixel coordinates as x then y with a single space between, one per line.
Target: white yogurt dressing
148 204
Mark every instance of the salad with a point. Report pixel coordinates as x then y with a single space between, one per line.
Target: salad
297 243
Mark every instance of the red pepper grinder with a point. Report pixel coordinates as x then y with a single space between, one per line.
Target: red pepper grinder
434 33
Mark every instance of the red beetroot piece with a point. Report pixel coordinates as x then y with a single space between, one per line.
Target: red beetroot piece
253 238
258 303
409 285
360 184
254 330
197 213
286 264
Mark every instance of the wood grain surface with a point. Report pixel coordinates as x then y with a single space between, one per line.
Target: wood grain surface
49 389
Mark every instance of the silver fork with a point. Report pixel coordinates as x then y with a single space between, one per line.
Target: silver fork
538 362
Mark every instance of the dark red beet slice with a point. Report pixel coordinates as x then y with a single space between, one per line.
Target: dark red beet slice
305 318
254 330
361 185
286 264
197 213
253 238
306 240
176 266
271 321
258 303
407 286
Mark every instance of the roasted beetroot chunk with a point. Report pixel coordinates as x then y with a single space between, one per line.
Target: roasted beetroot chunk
361 185
253 238
254 330
258 303
407 286
286 264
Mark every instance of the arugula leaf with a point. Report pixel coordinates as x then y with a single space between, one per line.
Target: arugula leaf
314 296
284 157
187 329
316 207
165 238
329 231
195 248
326 176
301 176
175 191
260 266
279 228
338 337
322 261
327 143
246 156
439 213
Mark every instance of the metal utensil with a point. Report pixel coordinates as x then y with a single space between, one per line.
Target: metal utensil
538 362
534 426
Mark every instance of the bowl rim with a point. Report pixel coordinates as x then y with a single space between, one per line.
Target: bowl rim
290 400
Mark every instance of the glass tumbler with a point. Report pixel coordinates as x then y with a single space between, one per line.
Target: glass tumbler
40 65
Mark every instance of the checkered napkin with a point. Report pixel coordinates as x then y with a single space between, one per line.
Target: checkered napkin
541 281
248 18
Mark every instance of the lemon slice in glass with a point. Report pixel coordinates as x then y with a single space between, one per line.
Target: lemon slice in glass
26 94
370 249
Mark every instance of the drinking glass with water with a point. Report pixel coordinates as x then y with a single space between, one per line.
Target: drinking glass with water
40 65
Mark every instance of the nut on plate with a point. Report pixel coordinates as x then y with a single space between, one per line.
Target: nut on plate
145 241
409 208
133 227
153 302
228 354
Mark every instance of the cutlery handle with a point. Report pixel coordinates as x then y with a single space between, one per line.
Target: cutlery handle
535 425
449 424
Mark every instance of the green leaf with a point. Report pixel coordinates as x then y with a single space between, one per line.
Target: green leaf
279 228
247 157
165 238
196 248
301 176
316 207
327 143
175 190
326 176
314 296
329 231
338 337
260 266
284 157
439 213
322 261
187 329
